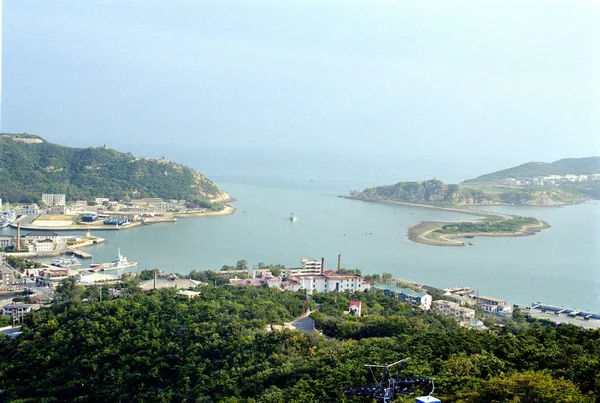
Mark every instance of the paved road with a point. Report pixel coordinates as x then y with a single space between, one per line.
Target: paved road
305 325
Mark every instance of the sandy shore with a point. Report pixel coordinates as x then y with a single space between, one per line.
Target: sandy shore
228 210
424 232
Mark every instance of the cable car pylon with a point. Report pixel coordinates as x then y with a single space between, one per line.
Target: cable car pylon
389 386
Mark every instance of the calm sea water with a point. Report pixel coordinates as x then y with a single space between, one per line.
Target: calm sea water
561 265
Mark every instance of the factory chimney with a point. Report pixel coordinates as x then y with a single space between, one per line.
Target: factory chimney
322 265
18 237
339 261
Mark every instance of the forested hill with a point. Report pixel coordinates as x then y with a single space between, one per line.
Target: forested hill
30 166
217 348
431 191
575 166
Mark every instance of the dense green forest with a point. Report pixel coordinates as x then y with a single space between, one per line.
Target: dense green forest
215 348
575 166
30 166
514 224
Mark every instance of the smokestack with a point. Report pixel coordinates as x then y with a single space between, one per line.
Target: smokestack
339 261
322 265
18 237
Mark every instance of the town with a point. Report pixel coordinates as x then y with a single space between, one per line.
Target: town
101 213
33 285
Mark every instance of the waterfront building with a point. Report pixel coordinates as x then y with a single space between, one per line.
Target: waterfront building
307 266
46 245
54 199
331 281
31 209
6 241
91 217
493 305
57 210
417 298
41 236
453 309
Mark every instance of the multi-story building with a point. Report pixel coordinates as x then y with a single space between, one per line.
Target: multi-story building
17 310
494 305
42 235
307 266
7 241
418 298
31 209
453 309
54 199
331 281
7 275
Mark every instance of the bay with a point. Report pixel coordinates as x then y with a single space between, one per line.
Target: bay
559 265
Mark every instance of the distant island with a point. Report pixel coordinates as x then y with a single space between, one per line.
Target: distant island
30 166
566 181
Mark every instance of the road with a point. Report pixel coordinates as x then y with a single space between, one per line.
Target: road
305 325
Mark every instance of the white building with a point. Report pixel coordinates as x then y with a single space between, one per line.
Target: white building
330 281
42 235
494 305
54 199
417 298
31 209
46 245
7 241
453 309
307 266
17 310
100 200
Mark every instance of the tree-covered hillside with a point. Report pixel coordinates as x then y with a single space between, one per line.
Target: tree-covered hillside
215 348
575 166
30 166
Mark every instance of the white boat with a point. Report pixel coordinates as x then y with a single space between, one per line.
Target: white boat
293 217
66 262
119 263
7 218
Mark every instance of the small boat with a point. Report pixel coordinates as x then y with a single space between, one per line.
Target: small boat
293 217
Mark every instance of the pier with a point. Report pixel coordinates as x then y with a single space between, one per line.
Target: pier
78 253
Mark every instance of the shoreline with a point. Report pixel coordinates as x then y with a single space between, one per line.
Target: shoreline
228 210
422 232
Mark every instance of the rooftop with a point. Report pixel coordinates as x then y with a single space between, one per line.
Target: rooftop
491 299
404 291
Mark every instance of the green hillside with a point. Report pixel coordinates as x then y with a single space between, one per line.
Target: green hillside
575 166
30 166
217 348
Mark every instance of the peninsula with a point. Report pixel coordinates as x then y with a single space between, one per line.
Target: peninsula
563 182
53 187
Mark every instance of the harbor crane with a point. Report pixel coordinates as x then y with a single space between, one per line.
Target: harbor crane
388 386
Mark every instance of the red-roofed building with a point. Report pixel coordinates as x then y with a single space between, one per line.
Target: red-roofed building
355 308
331 281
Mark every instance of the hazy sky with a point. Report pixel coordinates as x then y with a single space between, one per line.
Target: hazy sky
503 81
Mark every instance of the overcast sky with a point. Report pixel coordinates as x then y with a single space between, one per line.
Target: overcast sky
480 79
